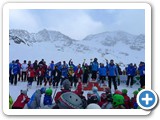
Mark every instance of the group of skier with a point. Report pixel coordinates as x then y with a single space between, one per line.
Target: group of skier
67 99
56 73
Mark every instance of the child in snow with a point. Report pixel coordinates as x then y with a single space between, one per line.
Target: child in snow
30 76
85 73
22 99
133 103
40 73
35 101
126 98
71 75
10 102
95 91
48 97
118 102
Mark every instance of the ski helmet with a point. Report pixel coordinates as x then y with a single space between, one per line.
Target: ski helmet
66 84
124 91
117 100
135 92
139 89
93 106
103 97
48 91
93 99
70 100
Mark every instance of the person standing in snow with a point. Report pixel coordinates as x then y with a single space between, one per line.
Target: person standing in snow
130 74
112 73
35 66
71 75
24 71
40 73
10 70
21 100
78 75
85 73
30 76
94 66
52 65
35 100
102 73
56 76
64 72
15 70
48 76
142 74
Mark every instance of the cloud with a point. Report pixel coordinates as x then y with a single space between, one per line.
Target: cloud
77 24
22 19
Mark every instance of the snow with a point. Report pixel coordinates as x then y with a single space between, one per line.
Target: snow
15 90
123 47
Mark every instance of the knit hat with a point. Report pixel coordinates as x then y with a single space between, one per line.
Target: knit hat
24 92
49 91
135 92
118 92
70 100
94 89
66 84
93 106
124 91
117 100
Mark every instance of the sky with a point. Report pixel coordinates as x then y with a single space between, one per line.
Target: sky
79 23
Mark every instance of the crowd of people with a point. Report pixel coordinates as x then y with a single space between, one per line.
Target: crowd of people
67 99
55 73
68 76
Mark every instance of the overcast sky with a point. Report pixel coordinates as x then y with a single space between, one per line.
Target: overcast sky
77 24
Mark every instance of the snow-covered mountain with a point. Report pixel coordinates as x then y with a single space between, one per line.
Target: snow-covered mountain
52 45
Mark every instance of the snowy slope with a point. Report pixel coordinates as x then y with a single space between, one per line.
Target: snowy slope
52 45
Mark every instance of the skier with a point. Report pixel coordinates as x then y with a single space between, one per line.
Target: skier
85 73
10 70
102 73
66 88
118 102
24 71
95 91
30 76
78 75
40 72
15 70
70 100
94 66
52 65
35 100
71 75
21 100
19 72
10 102
119 72
56 76
112 73
130 74
133 103
126 98
48 76
64 72
142 74
48 97
35 67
